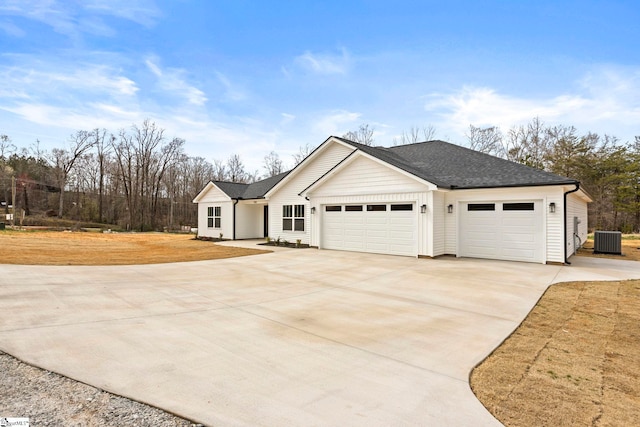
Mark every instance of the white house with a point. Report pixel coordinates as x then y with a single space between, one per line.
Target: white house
426 199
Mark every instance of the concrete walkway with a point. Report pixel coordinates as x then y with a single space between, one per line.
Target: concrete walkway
291 338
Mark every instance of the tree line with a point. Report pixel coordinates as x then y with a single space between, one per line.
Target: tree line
136 178
139 179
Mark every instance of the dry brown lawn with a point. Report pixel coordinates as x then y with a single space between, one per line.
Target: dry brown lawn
574 361
630 249
83 248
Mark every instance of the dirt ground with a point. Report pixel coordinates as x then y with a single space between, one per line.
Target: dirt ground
630 249
573 361
92 248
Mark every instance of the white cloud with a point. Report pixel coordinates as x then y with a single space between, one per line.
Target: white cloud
607 101
143 12
286 118
173 80
336 123
11 29
231 91
75 18
35 81
324 63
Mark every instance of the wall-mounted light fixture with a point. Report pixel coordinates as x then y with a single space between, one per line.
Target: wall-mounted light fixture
552 207
450 209
313 210
423 209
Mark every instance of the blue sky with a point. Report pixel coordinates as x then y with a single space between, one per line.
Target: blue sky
251 77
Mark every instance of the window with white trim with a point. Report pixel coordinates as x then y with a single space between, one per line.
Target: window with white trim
293 217
214 216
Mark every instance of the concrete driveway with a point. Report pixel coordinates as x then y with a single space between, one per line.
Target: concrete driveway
296 337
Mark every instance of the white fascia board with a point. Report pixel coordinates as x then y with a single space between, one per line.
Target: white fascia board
351 158
315 153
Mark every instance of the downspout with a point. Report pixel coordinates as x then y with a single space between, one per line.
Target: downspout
310 220
235 202
566 257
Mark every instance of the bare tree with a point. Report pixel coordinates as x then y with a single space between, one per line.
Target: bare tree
252 177
302 154
415 135
63 160
6 147
486 140
363 135
235 168
103 144
272 164
219 171
143 156
529 144
200 172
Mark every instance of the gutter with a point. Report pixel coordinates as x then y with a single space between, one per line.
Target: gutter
566 258
540 184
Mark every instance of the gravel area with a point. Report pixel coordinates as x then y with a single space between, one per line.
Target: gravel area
49 399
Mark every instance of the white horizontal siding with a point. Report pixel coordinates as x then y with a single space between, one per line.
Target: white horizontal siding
288 194
366 176
576 207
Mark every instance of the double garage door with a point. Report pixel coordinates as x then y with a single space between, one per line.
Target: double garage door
385 228
502 230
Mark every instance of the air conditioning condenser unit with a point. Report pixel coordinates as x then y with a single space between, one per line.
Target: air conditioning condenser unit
607 242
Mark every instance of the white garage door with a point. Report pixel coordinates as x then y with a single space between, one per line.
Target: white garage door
384 228
502 230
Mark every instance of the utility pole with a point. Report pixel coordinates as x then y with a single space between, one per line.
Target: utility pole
13 201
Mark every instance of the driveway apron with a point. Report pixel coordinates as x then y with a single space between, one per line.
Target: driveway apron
291 338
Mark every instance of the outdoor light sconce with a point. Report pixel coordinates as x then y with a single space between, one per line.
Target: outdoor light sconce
313 210
450 209
552 207
423 209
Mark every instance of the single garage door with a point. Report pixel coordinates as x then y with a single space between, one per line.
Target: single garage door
502 230
384 228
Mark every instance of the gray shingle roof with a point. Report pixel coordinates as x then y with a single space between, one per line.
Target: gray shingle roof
452 166
255 190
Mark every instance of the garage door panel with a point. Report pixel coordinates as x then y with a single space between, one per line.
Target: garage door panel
376 234
481 237
401 236
521 238
512 231
388 231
